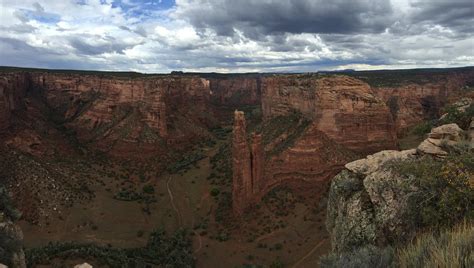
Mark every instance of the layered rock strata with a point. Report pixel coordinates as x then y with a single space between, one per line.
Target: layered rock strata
242 90
247 163
344 108
412 103
119 115
369 201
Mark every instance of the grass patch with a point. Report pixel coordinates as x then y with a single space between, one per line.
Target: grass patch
447 248
453 248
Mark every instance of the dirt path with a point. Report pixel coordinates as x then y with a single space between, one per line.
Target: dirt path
170 193
309 253
172 201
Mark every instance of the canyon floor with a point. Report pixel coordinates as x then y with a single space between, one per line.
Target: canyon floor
100 165
288 227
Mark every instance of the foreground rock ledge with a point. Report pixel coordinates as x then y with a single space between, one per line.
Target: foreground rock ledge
367 201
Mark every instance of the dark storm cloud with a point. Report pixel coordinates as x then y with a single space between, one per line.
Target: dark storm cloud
257 18
457 15
109 45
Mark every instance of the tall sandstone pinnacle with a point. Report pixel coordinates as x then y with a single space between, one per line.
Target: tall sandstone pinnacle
247 164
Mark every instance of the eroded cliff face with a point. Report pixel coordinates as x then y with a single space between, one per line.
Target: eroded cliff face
412 103
344 108
124 115
247 165
13 88
236 91
312 160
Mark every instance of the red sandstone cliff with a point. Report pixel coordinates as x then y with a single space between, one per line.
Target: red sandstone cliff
126 115
236 90
412 103
344 108
247 164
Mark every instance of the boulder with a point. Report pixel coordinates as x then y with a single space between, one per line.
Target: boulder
12 232
369 201
445 135
373 162
84 265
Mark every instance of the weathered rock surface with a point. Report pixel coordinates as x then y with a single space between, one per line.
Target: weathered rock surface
414 102
372 163
247 166
344 108
118 115
445 135
368 201
84 265
242 90
12 237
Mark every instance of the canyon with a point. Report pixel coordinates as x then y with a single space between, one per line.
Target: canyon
86 135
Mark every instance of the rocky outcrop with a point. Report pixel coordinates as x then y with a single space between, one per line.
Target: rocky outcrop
247 164
369 201
344 108
11 236
231 91
445 135
84 265
11 245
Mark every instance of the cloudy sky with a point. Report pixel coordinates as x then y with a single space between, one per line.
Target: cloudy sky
236 35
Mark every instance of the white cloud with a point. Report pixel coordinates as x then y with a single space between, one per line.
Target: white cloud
100 35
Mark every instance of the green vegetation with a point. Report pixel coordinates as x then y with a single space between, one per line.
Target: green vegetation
445 188
162 251
224 209
185 162
146 196
148 189
453 115
452 248
215 192
288 128
447 248
221 164
396 78
280 200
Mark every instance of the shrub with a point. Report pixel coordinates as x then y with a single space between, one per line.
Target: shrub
451 248
160 251
444 189
369 256
148 189
277 264
423 128
453 115
215 192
